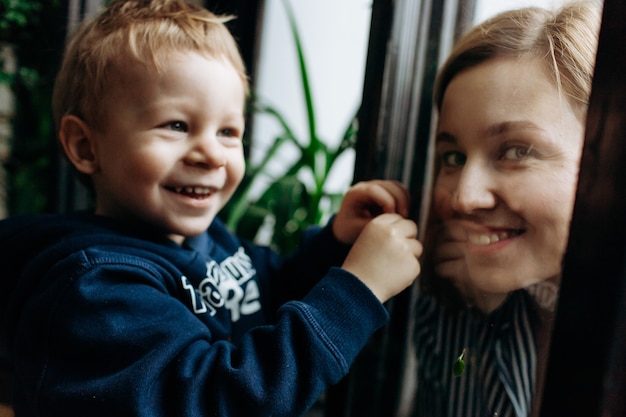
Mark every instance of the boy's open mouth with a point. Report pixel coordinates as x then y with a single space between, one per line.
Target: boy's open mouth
194 192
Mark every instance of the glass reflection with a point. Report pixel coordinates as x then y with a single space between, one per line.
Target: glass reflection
512 100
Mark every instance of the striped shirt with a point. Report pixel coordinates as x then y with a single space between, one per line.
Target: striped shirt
501 359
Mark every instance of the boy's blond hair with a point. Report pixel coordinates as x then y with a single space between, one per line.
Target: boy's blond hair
143 30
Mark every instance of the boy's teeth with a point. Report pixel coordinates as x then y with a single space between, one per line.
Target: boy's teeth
201 190
193 190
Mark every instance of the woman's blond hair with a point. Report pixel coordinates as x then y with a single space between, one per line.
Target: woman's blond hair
566 39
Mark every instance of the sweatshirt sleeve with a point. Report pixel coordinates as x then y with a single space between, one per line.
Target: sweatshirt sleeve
318 251
111 339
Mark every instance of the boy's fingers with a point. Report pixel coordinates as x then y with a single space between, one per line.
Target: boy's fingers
417 248
388 197
453 231
446 251
408 227
453 270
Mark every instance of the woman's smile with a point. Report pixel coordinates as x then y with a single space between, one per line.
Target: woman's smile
484 239
508 151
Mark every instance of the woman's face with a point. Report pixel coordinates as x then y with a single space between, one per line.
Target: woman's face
509 147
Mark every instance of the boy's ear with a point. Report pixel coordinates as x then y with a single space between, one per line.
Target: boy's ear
78 143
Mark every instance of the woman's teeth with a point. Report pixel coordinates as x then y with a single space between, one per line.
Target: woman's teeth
489 238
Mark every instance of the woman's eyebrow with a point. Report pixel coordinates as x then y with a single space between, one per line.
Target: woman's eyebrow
445 137
493 130
503 127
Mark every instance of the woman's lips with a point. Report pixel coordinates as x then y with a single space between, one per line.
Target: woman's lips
484 239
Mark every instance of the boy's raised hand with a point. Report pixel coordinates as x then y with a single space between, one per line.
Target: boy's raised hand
385 255
448 255
386 250
366 200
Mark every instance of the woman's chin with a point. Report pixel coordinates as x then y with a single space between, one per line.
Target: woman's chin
485 301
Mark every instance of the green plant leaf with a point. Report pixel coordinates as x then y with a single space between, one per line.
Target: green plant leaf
291 204
459 365
287 200
306 86
260 107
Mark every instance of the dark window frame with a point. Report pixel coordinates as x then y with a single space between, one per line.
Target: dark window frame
586 371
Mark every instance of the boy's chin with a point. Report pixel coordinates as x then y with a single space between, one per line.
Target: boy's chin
190 229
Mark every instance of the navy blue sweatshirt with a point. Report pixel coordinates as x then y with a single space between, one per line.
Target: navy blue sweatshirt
103 319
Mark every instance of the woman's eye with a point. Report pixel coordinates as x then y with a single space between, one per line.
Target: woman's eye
516 153
453 159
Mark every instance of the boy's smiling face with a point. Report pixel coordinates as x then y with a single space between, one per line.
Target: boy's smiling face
169 150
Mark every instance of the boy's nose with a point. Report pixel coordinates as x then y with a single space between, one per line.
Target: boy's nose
474 190
206 152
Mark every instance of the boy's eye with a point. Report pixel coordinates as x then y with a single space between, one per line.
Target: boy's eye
228 132
516 153
177 126
453 159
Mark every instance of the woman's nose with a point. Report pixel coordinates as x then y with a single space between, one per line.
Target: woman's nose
474 189
206 152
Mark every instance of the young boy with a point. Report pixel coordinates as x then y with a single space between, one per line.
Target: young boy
149 306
